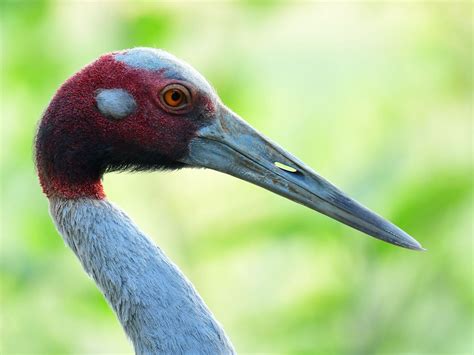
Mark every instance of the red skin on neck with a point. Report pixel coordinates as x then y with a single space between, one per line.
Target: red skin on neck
56 188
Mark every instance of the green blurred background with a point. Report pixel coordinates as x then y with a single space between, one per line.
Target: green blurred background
377 97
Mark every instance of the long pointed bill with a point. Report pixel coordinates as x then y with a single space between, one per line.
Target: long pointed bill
231 146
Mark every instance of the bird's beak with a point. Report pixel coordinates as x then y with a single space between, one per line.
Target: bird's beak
231 146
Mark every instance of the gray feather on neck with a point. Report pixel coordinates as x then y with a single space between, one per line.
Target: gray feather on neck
157 306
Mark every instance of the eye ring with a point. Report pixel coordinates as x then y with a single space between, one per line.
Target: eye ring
175 97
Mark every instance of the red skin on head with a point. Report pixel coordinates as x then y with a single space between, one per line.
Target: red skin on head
76 144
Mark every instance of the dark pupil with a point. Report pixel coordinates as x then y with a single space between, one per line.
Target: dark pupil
175 96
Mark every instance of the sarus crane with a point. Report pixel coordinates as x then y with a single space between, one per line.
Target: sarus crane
142 109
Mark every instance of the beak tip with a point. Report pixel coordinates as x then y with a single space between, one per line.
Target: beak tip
421 248
418 248
412 243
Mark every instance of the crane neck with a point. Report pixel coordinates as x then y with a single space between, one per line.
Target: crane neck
159 309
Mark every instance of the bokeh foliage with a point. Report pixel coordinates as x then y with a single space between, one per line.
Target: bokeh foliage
376 96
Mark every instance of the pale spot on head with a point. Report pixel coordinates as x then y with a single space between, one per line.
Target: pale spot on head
115 103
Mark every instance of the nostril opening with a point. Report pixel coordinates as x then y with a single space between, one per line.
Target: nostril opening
285 167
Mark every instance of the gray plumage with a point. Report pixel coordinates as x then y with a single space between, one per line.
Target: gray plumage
158 307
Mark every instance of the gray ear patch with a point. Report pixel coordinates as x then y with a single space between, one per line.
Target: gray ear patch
115 103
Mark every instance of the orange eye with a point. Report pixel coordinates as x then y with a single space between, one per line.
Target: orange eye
175 97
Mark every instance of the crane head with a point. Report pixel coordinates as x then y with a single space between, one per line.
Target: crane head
144 109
